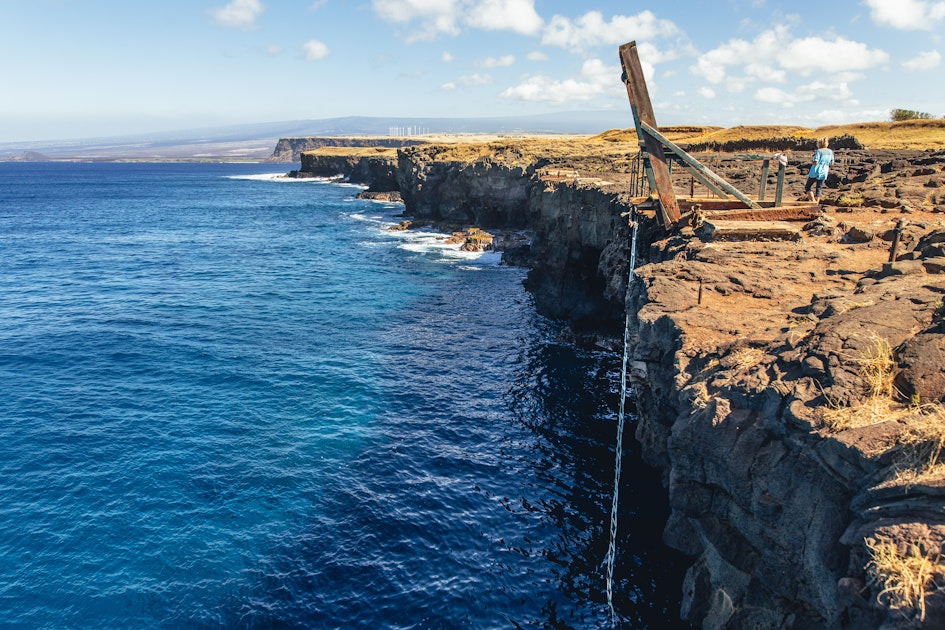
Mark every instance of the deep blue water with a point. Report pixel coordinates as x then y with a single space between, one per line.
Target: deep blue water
233 401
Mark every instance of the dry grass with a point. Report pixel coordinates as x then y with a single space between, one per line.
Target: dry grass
355 151
920 446
907 134
876 366
902 579
744 358
853 200
873 411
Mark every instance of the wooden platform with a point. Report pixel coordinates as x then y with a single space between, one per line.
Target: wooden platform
721 230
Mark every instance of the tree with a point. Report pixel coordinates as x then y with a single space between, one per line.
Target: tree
897 115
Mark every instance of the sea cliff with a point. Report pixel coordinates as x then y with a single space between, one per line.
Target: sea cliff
791 391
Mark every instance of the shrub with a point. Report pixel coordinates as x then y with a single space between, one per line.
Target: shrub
898 115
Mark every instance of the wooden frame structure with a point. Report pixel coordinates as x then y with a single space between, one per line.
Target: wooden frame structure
659 152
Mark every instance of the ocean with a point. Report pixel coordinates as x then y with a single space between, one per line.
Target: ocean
235 400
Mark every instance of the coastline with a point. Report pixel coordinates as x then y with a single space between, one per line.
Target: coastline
741 348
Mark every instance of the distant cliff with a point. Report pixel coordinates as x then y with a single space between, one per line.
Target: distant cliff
290 149
378 172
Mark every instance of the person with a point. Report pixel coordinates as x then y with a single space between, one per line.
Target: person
823 157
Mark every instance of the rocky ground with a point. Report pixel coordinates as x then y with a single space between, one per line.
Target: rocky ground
793 392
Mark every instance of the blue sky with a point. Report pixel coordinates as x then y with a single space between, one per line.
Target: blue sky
81 68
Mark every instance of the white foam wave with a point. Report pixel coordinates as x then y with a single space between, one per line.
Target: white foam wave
434 244
279 177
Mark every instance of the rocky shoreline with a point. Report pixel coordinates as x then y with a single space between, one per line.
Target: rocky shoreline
791 391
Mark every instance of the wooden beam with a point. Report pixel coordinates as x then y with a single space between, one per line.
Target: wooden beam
695 165
749 230
643 115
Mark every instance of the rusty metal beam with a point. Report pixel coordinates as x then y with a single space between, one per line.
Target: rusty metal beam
642 110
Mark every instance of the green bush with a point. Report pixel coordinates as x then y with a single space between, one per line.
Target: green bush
897 115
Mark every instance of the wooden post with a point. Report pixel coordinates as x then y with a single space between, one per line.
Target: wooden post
643 112
895 243
764 179
779 191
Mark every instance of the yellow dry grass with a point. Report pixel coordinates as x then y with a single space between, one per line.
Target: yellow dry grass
876 366
907 134
744 358
902 579
920 446
616 144
355 151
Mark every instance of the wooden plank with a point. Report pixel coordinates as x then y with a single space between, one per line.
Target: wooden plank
781 213
749 230
643 114
696 165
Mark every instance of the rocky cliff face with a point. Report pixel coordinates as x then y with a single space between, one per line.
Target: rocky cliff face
481 192
379 173
783 460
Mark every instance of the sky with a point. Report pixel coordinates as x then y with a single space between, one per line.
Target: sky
87 68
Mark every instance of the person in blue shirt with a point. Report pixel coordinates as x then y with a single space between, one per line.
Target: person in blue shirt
823 157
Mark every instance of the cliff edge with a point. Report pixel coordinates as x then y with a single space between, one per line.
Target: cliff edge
790 389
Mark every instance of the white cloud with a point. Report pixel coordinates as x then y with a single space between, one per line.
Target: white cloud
595 79
315 50
239 14
774 56
766 73
446 57
435 16
591 30
431 18
468 80
736 85
500 62
813 54
907 15
774 95
537 56
513 15
836 90
712 66
706 92
273 50
923 61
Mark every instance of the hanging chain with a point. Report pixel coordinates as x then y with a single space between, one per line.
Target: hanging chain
621 417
